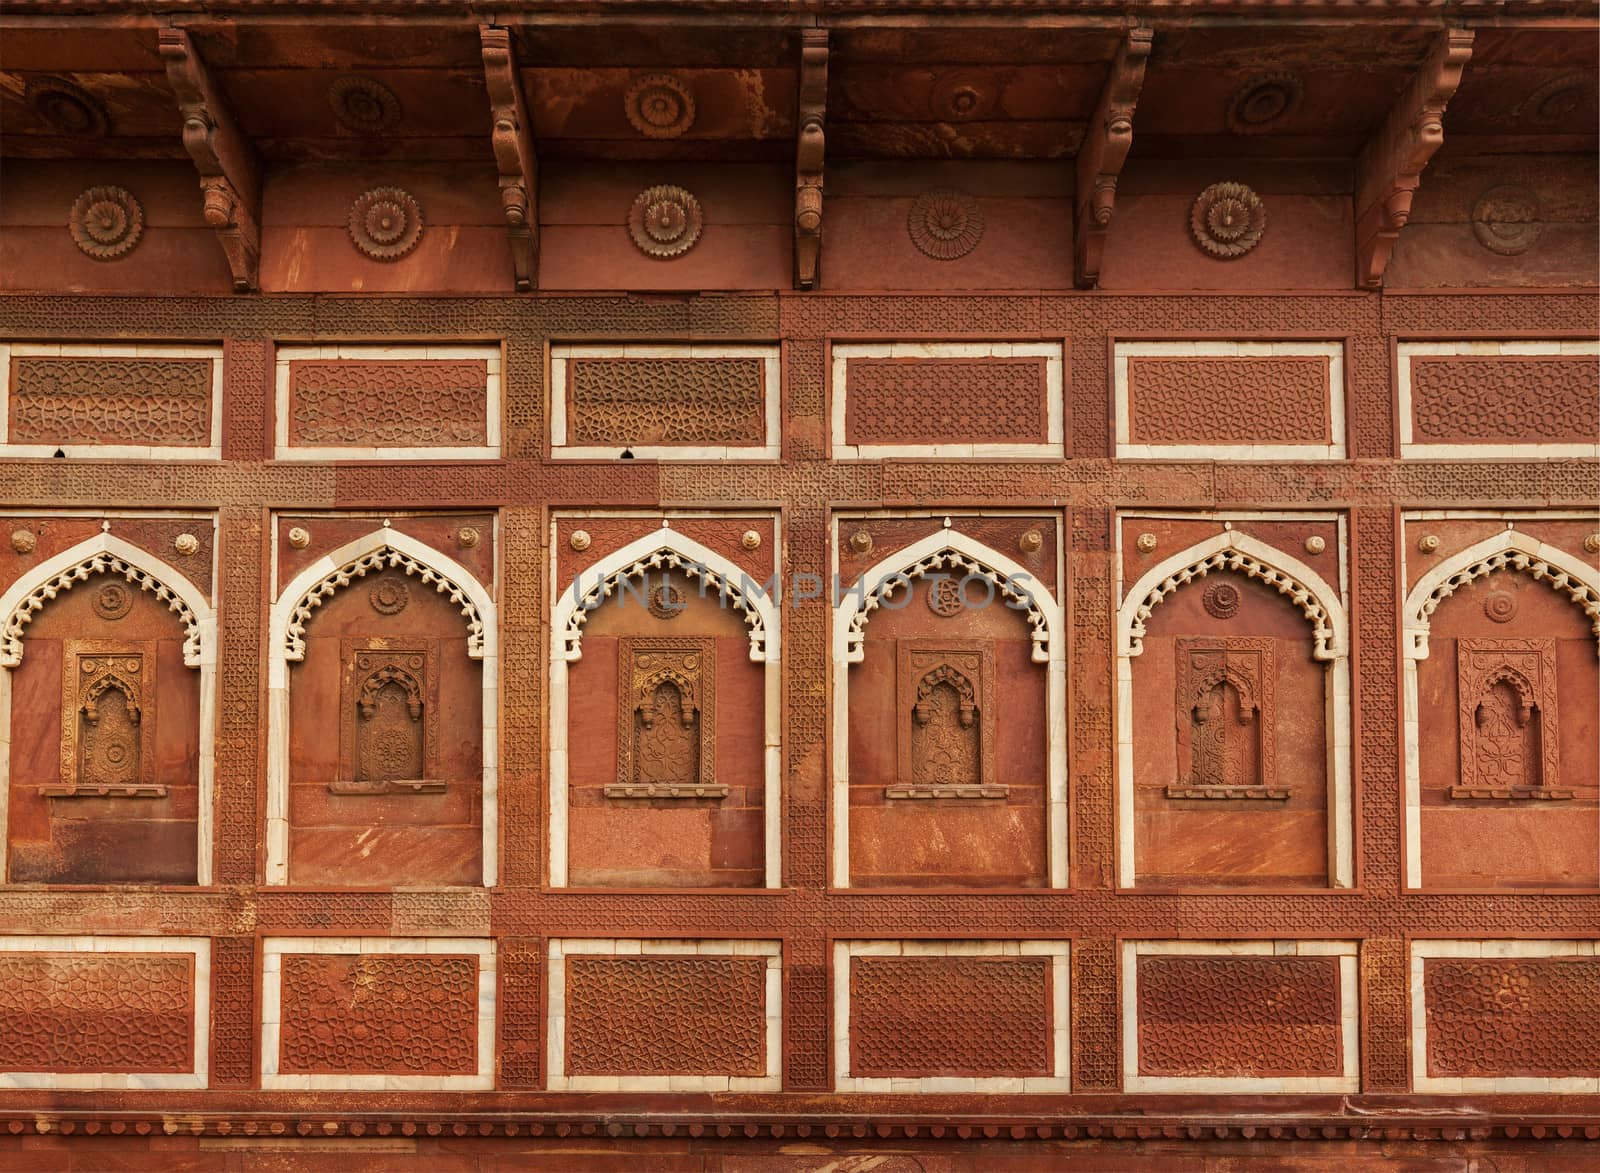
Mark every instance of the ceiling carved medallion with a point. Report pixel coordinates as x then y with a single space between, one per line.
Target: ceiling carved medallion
106 222
1559 98
945 224
964 94
665 221
364 105
1263 101
67 108
1506 220
1227 220
659 105
385 223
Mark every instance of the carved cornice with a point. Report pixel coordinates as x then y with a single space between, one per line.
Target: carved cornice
808 157
513 154
1104 150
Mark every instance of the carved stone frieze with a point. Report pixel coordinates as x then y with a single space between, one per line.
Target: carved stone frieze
1227 220
665 221
106 222
385 223
666 719
710 401
1509 742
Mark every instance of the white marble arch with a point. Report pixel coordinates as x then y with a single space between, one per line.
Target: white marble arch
106 552
1509 549
950 550
663 550
370 553
1231 550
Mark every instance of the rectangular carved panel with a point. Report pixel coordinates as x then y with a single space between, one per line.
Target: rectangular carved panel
110 400
947 400
108 721
1277 399
917 1017
1507 719
666 1015
666 719
97 1012
1512 1017
1226 710
1498 399
625 402
1215 1016
411 403
379 1013
388 717
945 697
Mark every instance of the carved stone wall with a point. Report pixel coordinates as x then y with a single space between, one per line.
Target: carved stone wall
61 401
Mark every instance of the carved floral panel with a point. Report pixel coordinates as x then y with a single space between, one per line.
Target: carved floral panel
945 697
666 718
110 400
108 720
1509 1017
1510 744
1227 710
388 717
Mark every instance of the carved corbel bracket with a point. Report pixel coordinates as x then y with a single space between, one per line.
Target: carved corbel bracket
808 158
230 178
1389 168
1104 150
513 154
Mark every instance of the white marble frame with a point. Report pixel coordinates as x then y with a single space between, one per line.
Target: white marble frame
1416 620
278 662
839 359
1332 350
560 948
1424 1084
1058 1081
1412 450
566 647
204 656
1341 835
491 352
1348 953
198 947
769 354
273 949
212 450
1051 651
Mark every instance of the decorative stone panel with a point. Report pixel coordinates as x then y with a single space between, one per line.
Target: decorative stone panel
377 1013
665 401
1499 398
1505 1016
947 399
663 1015
1229 400
1240 1016
143 401
105 1012
951 1016
353 401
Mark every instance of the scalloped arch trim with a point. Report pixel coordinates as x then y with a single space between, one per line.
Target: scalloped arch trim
1540 569
81 571
382 558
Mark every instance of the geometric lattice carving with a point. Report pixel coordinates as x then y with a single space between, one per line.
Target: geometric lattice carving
946 400
82 571
1281 399
102 1012
666 719
1226 690
388 718
1512 1017
108 721
621 402
945 693
359 567
1504 398
367 402
83 400
1508 737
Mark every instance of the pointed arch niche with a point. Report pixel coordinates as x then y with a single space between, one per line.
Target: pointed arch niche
131 628
1231 654
665 693
389 789
959 716
1501 701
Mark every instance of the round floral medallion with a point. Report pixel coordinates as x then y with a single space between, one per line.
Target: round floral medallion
944 597
1559 98
1227 220
659 106
580 539
1262 101
861 542
1221 600
945 224
1031 542
1428 543
389 596
112 600
750 539
467 537
186 544
67 108
299 537
1316 544
1506 220
106 222
665 601
23 541
1146 542
964 94
364 105
385 223
1501 606
665 221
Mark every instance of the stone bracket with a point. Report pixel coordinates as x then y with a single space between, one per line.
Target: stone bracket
230 176
1104 150
1389 168
513 154
808 157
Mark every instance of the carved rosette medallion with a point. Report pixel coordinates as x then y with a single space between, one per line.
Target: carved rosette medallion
389 596
1558 98
659 105
665 601
67 108
1500 606
665 221
467 537
299 537
385 223
944 597
23 541
186 544
963 95
945 224
1506 220
106 222
1263 101
112 601
1227 220
1221 600
364 105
